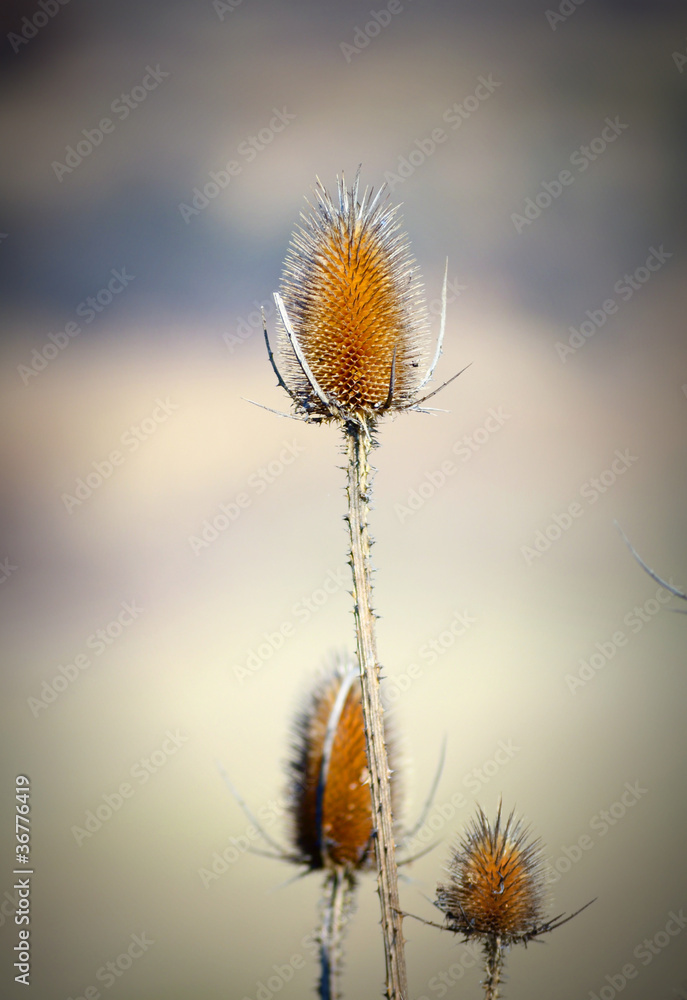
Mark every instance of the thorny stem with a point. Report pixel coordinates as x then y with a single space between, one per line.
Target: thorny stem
338 886
493 964
359 445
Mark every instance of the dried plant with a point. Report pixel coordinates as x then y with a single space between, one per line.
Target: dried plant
355 327
354 346
329 788
329 794
496 891
329 808
354 340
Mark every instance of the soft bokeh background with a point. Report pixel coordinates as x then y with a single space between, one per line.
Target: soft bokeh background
185 330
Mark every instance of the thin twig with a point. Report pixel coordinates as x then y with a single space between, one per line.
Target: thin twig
430 798
647 569
284 855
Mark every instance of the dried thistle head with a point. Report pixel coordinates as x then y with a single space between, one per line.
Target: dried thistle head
496 892
330 792
354 327
497 883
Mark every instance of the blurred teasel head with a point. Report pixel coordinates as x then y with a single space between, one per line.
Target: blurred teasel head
354 327
330 792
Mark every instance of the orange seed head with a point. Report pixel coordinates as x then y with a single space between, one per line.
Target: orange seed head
330 793
497 886
356 304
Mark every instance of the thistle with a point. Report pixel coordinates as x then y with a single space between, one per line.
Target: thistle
329 794
354 339
330 804
496 891
355 328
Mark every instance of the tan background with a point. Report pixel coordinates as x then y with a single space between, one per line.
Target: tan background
166 335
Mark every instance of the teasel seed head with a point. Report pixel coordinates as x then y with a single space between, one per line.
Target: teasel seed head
330 792
496 892
497 883
354 327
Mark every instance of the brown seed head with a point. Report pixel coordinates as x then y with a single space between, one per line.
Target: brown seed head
330 793
497 886
355 301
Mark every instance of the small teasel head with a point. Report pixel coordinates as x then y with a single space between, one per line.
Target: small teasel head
354 327
329 783
497 882
496 892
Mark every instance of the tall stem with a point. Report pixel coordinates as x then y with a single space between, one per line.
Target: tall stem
359 445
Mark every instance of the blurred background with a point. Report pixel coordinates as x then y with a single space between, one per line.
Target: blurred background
174 559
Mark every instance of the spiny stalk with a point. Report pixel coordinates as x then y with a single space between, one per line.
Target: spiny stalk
359 445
